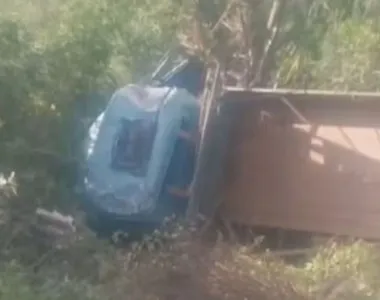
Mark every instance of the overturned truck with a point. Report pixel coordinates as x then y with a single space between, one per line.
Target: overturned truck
289 159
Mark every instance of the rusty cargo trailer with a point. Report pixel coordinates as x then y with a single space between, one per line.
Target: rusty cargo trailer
296 160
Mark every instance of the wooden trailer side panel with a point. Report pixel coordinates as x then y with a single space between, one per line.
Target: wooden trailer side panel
322 178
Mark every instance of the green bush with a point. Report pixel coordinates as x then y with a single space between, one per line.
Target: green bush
50 58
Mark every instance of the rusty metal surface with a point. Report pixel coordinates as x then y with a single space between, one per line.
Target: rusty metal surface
321 177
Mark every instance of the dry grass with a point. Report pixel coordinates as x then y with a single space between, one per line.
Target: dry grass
189 270
172 264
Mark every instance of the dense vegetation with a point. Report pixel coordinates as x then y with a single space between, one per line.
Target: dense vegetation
57 57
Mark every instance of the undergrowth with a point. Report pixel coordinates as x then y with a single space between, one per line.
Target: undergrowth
172 263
